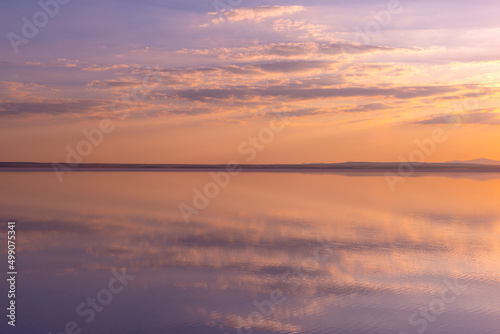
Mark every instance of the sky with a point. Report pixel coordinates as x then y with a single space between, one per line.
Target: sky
205 81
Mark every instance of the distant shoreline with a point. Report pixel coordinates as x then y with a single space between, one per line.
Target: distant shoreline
347 167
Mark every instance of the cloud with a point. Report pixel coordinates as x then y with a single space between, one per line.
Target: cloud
48 108
65 63
255 14
301 112
293 66
17 90
304 50
313 93
269 67
488 116
369 107
57 226
114 84
180 111
100 68
285 25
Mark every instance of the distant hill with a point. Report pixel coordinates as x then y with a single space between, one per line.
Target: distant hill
480 165
481 161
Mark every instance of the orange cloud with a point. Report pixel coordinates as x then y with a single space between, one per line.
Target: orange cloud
255 14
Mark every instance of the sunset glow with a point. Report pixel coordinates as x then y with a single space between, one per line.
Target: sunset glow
187 82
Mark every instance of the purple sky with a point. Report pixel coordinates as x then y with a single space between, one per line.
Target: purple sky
343 71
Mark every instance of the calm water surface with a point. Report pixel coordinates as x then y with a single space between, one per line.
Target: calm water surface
273 253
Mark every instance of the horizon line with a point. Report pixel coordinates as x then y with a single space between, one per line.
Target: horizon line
233 167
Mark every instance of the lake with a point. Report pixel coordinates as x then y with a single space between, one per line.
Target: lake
110 252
